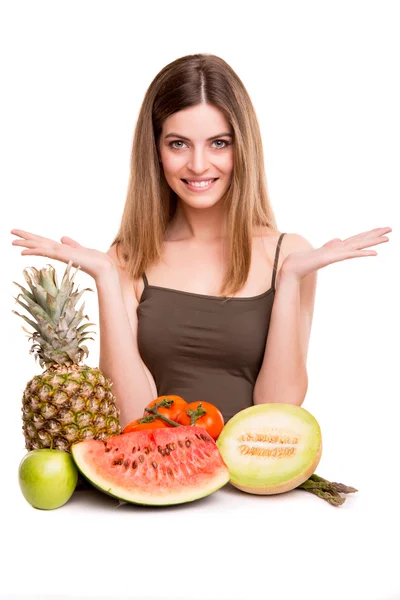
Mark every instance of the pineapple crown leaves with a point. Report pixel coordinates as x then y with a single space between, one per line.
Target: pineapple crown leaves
58 336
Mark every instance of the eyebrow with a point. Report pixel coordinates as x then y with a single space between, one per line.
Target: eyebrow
182 137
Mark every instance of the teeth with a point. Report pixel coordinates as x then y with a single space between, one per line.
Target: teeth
200 183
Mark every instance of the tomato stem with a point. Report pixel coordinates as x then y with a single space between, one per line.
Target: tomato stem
196 414
157 415
165 403
147 419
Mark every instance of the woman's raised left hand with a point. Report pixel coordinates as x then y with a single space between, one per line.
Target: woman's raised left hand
301 264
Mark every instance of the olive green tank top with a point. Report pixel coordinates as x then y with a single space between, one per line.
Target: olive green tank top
205 347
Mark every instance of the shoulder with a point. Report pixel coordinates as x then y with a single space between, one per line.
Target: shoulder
294 242
291 242
117 255
128 285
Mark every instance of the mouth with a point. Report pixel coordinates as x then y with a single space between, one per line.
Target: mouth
199 186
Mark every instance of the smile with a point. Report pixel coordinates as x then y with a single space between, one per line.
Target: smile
199 186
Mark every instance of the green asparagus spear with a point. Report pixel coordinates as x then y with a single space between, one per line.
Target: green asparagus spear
327 490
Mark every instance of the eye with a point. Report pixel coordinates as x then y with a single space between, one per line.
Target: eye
224 142
171 144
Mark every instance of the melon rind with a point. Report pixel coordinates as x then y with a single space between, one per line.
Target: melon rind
207 480
271 475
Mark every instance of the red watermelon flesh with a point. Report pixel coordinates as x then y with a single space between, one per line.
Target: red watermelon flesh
154 466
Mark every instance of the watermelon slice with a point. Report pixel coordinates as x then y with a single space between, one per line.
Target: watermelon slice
154 466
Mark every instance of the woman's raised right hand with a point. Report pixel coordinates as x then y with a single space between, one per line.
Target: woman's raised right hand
92 262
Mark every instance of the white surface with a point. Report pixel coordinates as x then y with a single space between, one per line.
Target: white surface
323 80
228 546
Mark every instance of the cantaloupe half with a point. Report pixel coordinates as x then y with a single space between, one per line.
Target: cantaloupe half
270 448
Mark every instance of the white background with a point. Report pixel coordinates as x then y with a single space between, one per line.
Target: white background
324 80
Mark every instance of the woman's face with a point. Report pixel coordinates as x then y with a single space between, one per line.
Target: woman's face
188 152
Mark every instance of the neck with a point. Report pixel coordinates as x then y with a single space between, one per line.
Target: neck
203 226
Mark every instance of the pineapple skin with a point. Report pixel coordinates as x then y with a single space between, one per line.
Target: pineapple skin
67 404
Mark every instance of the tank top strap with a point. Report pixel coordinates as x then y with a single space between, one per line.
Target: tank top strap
278 247
146 283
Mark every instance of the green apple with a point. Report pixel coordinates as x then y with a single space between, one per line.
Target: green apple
47 478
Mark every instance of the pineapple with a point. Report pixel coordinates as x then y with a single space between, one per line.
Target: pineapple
69 401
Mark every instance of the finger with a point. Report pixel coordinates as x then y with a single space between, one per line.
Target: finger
362 253
39 251
367 243
27 243
49 245
70 242
354 254
373 232
55 253
333 242
28 235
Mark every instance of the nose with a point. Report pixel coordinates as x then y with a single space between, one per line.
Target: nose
198 161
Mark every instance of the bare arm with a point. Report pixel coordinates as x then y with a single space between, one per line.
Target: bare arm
283 375
120 360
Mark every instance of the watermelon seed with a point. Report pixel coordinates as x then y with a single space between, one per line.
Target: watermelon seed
133 449
169 471
141 458
187 443
134 464
167 451
127 463
171 446
118 461
154 465
180 443
107 449
147 450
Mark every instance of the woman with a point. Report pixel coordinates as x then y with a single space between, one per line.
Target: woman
199 294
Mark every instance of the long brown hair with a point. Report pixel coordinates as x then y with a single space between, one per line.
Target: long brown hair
151 203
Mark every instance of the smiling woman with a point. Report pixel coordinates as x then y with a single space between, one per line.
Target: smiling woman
198 162
204 130
200 295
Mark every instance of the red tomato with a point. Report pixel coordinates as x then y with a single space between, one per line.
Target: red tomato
136 426
178 405
212 422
